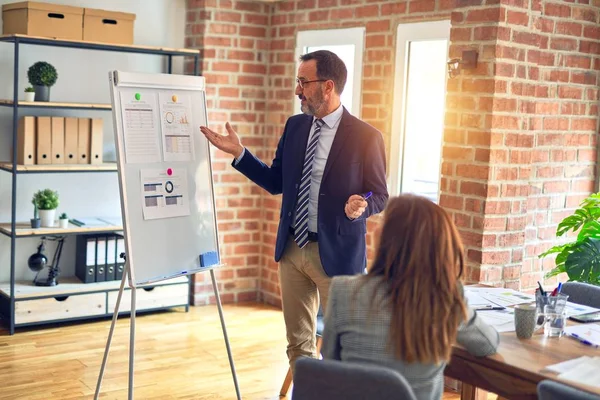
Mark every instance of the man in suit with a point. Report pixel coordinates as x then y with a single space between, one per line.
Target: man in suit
330 168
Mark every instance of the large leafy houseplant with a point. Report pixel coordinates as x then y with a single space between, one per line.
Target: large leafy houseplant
579 259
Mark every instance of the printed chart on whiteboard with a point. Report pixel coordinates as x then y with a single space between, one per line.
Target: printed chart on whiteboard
139 128
176 121
164 193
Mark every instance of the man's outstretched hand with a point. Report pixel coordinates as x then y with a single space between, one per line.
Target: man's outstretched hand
230 144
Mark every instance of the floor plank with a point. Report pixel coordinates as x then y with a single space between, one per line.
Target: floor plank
179 355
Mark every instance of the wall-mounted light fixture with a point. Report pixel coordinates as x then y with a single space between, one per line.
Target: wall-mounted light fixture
467 61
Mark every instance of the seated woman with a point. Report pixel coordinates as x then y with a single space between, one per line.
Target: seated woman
409 310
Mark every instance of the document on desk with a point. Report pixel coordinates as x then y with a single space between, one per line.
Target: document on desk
576 309
586 333
568 365
501 320
474 300
500 296
581 370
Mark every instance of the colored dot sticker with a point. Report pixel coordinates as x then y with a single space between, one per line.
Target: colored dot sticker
169 171
138 96
174 98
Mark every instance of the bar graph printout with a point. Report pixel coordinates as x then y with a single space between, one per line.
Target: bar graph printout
177 127
164 193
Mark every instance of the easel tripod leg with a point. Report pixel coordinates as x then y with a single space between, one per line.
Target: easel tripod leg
218 299
110 335
132 342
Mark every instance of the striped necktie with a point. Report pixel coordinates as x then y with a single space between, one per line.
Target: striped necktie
301 228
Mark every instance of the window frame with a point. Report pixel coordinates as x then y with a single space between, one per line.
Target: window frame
406 33
336 37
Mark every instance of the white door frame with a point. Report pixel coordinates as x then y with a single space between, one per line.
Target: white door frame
410 32
336 37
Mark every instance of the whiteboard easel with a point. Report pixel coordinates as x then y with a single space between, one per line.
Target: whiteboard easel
165 182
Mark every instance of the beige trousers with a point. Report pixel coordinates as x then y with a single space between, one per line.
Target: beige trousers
302 282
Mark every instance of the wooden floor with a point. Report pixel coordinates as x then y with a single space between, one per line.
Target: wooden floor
179 355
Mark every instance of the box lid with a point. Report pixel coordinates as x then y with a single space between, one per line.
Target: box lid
34 5
92 12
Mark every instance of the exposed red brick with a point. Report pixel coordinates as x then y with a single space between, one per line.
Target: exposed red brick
569 28
421 6
394 8
517 18
367 11
557 10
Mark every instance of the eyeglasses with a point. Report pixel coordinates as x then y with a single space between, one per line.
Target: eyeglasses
301 82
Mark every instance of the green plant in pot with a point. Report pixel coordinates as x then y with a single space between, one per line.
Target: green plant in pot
63 220
29 94
42 76
46 202
579 259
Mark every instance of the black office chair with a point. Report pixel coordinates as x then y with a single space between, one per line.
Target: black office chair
285 387
551 390
332 379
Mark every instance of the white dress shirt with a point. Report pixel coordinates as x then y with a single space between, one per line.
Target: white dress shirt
328 131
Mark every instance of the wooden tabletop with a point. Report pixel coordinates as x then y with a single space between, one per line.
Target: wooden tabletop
518 366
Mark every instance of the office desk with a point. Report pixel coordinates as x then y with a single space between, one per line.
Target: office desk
516 369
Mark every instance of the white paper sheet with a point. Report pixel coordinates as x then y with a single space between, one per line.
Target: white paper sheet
585 372
501 320
576 309
177 127
477 302
502 296
164 193
587 333
140 132
565 366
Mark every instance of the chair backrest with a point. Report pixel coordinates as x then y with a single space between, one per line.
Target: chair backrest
551 390
330 380
582 293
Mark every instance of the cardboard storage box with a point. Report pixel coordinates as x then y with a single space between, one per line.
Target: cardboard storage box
107 26
42 19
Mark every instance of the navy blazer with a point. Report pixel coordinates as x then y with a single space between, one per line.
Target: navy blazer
355 165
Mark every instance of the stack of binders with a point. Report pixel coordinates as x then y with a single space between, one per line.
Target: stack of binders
98 257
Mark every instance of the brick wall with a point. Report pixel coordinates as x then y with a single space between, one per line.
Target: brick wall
233 37
519 143
537 147
552 73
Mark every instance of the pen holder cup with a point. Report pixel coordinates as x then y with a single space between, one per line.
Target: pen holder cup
551 313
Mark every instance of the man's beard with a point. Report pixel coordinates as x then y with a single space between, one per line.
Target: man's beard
314 105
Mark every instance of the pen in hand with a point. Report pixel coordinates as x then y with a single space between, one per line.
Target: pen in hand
366 196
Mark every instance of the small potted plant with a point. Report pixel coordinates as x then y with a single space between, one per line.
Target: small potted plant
63 221
35 221
47 202
42 76
29 94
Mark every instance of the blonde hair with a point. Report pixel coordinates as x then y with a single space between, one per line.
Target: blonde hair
420 257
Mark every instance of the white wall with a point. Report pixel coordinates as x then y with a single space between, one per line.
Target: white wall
82 77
